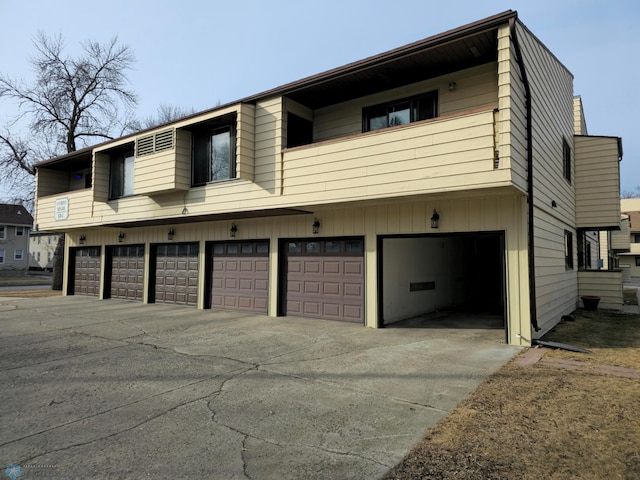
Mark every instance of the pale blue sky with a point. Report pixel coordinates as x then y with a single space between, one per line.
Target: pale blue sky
195 54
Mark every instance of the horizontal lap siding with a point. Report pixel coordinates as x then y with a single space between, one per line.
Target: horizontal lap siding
552 121
606 285
597 182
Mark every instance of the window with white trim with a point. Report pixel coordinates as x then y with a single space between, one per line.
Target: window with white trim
19 231
18 254
3 232
1 256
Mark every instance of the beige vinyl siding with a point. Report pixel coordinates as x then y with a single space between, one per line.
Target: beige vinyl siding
621 239
512 144
245 145
606 284
597 182
476 88
579 122
552 122
605 245
268 143
158 173
483 212
100 185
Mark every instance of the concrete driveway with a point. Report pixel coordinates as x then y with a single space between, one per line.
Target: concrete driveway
113 389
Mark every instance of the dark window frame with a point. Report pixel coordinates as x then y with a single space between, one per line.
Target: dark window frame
636 238
421 107
568 250
118 174
201 154
637 261
566 160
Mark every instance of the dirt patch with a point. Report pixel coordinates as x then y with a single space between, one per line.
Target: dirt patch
542 420
630 296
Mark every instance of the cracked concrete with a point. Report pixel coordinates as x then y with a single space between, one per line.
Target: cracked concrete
114 389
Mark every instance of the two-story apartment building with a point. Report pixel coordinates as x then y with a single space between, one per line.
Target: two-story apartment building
447 173
15 224
628 239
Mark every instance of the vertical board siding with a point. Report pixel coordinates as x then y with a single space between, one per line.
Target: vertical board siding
597 182
552 113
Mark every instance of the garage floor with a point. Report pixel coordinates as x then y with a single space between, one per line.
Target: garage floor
116 389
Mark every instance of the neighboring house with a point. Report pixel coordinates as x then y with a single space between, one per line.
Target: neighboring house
454 172
15 224
42 246
629 258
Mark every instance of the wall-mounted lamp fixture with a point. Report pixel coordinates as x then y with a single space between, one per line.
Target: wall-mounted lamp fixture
233 230
554 204
121 237
435 219
82 239
171 234
185 210
316 225
452 86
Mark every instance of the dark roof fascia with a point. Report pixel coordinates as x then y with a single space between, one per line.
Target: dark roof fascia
439 39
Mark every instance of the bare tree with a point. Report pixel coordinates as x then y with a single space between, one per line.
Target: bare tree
73 102
165 114
635 193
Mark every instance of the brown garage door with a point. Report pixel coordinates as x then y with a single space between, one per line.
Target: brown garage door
86 271
176 274
127 272
325 279
240 276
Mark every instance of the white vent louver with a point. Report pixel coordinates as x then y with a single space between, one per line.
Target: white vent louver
154 143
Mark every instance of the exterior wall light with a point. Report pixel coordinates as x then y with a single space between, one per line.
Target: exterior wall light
82 239
316 226
452 86
233 230
171 234
435 219
121 237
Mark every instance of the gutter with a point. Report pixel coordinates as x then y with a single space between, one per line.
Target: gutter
527 94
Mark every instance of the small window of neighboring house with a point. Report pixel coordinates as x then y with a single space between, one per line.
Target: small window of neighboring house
400 112
39 238
17 255
636 238
19 231
213 155
566 158
48 256
49 240
568 250
1 256
637 261
38 256
121 175
3 232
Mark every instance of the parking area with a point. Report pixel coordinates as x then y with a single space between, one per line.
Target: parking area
118 389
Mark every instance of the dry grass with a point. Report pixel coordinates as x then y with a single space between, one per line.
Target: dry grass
24 280
542 421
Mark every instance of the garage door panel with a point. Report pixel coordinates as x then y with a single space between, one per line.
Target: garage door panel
325 279
86 278
240 276
176 279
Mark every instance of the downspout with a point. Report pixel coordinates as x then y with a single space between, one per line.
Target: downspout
527 95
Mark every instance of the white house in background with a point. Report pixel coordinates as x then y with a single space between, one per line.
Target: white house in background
42 246
451 173
629 260
15 224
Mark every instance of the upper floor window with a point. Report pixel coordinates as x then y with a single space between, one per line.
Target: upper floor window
568 250
213 155
636 237
3 232
121 176
400 112
1 256
566 160
19 231
18 254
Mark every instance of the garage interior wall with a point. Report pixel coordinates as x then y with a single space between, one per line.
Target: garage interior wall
422 260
